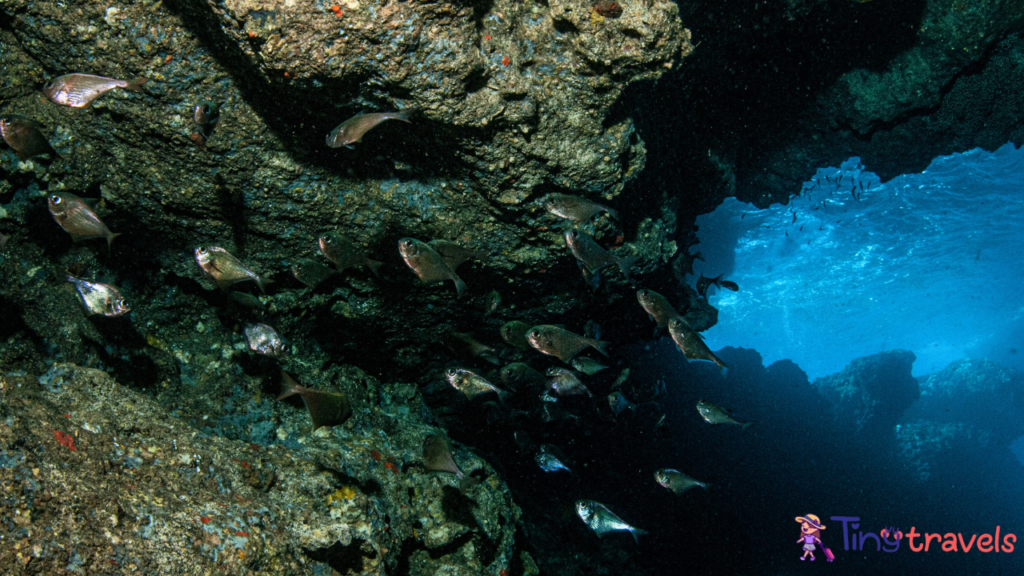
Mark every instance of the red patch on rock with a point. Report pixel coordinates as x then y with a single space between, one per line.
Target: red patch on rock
505 60
65 440
376 455
608 9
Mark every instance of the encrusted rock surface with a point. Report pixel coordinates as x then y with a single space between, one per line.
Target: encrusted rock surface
872 392
101 478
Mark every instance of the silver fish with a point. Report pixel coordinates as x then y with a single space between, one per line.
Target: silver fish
691 343
264 340
656 306
517 374
492 302
593 256
352 130
566 383
587 365
676 481
715 415
25 137
78 218
601 520
102 299
561 343
549 462
79 90
472 384
225 269
618 403
575 208
428 264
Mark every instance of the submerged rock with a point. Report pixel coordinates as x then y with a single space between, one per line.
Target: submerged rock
871 393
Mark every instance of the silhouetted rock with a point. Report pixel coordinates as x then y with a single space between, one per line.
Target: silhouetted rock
872 393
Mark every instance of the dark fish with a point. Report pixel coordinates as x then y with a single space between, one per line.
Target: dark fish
729 285
102 299
325 408
560 343
492 302
592 330
310 272
618 403
575 208
438 458
687 259
345 254
472 384
476 347
704 283
602 520
225 269
514 333
207 113
623 376
79 90
78 218
454 254
566 383
691 343
264 340
715 415
518 374
588 366
428 264
593 257
352 130
246 300
656 306
676 481
25 137
548 462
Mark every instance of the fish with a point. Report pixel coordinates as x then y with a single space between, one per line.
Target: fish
592 330
225 269
548 462
676 481
704 283
455 254
25 137
691 343
619 404
623 376
492 302
592 255
588 366
601 520
102 299
517 374
352 130
547 397
715 415
310 272
207 113
79 90
656 306
76 217
566 383
575 208
514 333
246 300
687 259
345 254
560 343
472 384
264 340
476 347
3 239
325 408
428 264
437 457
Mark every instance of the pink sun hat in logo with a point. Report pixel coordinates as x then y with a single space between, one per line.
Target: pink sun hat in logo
812 520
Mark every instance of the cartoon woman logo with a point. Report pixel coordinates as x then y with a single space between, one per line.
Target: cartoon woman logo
810 536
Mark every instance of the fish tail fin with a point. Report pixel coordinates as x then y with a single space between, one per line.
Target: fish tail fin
405 115
717 280
723 367
466 482
136 84
289 387
637 533
110 238
262 282
707 486
374 266
601 346
502 394
746 425
626 265
460 286
612 212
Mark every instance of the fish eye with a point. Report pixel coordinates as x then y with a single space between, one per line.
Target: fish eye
202 250
643 292
535 334
55 199
574 234
48 85
122 303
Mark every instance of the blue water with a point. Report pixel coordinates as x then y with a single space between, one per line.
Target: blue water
930 262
